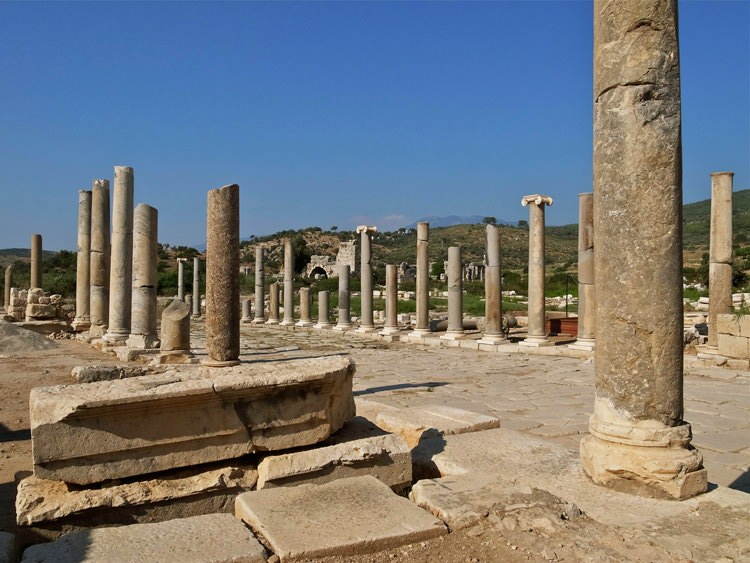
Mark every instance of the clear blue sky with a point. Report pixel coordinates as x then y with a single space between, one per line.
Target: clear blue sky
331 113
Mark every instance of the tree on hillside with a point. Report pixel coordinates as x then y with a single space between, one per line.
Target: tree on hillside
489 220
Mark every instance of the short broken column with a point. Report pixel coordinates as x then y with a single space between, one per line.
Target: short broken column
181 279
36 261
537 333
304 308
324 320
586 288
639 441
455 296
121 264
222 277
143 333
196 287
246 311
391 301
493 294
6 287
260 304
288 285
366 323
175 334
82 320
422 327
99 264
345 319
273 304
720 254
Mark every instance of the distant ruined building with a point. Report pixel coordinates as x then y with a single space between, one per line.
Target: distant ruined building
324 267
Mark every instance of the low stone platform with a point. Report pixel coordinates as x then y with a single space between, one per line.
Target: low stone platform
348 516
213 538
85 434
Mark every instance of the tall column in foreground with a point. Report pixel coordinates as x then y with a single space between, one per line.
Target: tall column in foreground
638 439
145 260
99 286
82 320
720 252
366 323
121 264
222 277
493 293
288 284
196 287
422 327
260 305
36 261
586 288
537 334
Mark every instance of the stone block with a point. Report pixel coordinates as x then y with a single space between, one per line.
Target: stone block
85 434
40 311
89 374
211 538
384 456
728 324
734 346
417 423
344 517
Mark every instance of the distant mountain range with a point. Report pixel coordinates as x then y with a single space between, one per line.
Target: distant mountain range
451 220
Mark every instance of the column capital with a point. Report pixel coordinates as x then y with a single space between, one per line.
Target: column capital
536 199
366 229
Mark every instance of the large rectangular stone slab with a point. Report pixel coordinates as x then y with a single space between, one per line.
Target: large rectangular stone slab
90 433
212 538
345 517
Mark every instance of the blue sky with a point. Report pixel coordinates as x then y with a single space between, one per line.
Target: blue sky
331 113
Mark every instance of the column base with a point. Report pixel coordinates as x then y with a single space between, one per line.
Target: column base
177 357
211 363
97 331
453 335
259 321
246 321
420 333
304 324
536 342
366 329
272 321
116 338
344 327
142 341
390 331
287 322
657 472
586 344
493 339
80 324
707 352
321 326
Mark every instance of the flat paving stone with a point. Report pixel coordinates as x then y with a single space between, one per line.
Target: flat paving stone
212 538
308 520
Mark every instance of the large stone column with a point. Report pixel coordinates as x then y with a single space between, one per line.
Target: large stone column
222 277
196 287
304 308
493 293
720 252
121 264
143 333
7 286
366 323
345 317
391 301
537 333
638 439
260 305
586 292
36 261
455 295
323 318
288 284
181 279
273 304
99 264
422 327
82 320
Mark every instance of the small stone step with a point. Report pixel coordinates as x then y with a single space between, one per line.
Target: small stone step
211 538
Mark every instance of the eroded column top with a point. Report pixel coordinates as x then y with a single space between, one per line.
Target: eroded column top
536 199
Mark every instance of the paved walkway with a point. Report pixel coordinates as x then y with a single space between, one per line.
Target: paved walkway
547 396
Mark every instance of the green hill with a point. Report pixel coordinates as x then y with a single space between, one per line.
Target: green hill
696 220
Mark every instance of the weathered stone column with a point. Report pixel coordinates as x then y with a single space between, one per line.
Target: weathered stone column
7 286
323 318
36 261
638 439
273 304
181 279
493 294
345 318
366 323
586 291
99 264
537 333
196 287
246 311
455 296
143 333
175 334
288 284
82 320
720 252
260 304
391 301
222 277
121 264
304 307
422 327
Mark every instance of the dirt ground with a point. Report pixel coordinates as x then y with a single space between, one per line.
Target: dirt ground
539 527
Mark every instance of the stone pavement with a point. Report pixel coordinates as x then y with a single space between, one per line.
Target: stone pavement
543 395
